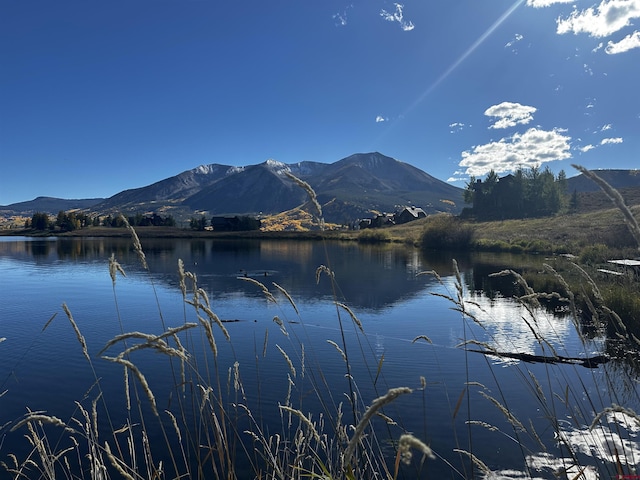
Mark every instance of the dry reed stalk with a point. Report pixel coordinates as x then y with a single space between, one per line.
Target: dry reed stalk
617 200
421 337
118 464
286 294
181 278
326 270
81 339
213 317
209 334
137 246
305 420
280 323
614 408
530 295
39 417
408 442
479 463
141 378
482 424
149 338
337 347
264 289
287 359
508 415
376 405
312 196
351 314
432 273
114 268
265 343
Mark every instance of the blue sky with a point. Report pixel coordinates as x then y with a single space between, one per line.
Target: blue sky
98 97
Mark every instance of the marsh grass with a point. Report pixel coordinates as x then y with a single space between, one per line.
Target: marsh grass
214 424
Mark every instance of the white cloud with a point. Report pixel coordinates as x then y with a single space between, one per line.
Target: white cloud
397 16
586 148
607 141
606 127
380 119
516 39
341 17
627 43
546 3
532 148
456 127
605 19
510 114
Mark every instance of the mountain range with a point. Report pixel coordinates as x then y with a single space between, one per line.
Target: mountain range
358 186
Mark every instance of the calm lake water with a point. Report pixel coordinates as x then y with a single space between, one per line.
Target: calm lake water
44 368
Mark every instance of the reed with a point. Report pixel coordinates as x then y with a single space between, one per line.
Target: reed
213 424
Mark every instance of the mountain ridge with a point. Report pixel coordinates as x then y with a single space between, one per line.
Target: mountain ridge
358 186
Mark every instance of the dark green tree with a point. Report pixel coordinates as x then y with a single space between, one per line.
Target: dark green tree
40 221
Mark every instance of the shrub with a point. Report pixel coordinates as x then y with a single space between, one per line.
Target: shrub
447 232
594 254
373 236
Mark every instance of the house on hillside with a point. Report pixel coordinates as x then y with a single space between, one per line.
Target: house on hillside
409 214
383 220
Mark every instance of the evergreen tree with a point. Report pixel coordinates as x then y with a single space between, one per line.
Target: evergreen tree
40 221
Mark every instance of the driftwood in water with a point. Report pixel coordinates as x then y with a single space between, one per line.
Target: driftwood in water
588 362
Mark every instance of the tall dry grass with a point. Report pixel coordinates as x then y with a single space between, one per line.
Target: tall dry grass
215 427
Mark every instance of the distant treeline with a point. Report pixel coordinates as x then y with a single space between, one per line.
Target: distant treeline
523 194
69 221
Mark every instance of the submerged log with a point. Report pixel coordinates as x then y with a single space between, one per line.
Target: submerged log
587 362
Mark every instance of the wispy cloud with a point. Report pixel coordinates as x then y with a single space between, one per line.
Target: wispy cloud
607 141
341 17
586 148
605 19
518 37
510 114
627 43
456 127
531 148
397 16
380 119
545 3
606 127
